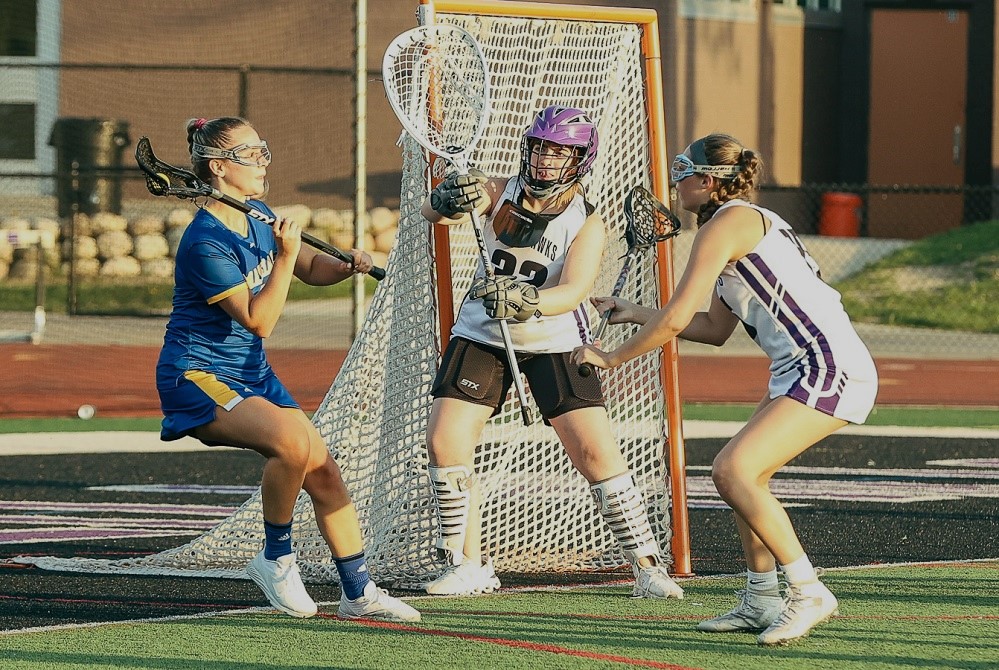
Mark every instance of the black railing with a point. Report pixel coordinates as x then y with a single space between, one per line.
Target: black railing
886 211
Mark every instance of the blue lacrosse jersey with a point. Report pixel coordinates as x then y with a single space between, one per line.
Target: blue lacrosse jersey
212 263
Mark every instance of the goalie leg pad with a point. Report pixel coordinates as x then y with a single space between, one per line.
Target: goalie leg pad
623 509
451 486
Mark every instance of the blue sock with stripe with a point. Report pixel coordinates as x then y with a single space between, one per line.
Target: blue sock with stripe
277 540
353 573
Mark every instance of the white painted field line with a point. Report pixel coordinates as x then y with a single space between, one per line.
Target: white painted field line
102 442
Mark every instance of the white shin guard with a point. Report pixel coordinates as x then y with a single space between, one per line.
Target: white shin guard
451 492
622 507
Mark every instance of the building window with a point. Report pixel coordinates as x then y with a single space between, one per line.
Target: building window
17 141
19 28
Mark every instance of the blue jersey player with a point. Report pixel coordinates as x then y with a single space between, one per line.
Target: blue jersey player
215 384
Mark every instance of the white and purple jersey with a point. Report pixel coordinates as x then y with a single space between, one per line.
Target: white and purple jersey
540 265
816 355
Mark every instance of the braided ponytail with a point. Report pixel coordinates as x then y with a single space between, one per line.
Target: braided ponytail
720 149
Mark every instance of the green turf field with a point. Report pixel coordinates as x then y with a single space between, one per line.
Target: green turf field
931 616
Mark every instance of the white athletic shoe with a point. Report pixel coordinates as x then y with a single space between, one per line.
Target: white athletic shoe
465 579
754 613
282 584
376 603
807 607
654 582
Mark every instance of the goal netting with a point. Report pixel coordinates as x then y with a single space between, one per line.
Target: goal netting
537 512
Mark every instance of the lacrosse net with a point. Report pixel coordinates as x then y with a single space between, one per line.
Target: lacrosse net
537 512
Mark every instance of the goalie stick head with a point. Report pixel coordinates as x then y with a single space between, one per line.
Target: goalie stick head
649 220
437 81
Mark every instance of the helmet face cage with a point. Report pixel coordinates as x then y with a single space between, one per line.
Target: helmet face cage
564 127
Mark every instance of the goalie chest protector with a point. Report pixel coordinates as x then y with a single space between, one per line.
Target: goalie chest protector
540 265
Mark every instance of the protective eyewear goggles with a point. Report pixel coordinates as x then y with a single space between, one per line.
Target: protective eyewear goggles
683 167
252 155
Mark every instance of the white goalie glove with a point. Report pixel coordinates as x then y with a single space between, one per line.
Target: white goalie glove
505 298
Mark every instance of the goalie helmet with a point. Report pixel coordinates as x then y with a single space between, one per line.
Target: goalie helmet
564 126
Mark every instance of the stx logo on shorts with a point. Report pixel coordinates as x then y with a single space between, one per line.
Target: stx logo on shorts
469 384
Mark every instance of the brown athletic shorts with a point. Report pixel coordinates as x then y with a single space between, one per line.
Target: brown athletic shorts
480 374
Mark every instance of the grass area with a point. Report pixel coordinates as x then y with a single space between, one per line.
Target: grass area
959 417
951 417
891 618
136 298
946 281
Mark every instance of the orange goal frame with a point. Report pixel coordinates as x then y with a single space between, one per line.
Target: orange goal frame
648 21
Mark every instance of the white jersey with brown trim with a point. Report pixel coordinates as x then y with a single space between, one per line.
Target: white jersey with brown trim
540 265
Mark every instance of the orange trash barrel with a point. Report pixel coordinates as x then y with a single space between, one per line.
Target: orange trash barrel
840 215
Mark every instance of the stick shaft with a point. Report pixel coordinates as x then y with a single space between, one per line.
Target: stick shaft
161 173
586 369
314 242
511 354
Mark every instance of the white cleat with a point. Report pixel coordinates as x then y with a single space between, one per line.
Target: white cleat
754 613
807 607
654 582
376 603
282 584
465 579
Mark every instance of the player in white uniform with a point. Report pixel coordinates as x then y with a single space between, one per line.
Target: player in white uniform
545 242
822 376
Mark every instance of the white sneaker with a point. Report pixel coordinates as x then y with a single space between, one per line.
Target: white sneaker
465 579
654 582
754 613
376 603
282 584
808 606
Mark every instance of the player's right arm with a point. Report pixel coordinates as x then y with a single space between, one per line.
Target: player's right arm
714 326
453 199
259 313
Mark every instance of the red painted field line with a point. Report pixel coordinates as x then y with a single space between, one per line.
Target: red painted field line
596 617
695 617
518 644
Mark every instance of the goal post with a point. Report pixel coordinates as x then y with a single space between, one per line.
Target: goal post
477 16
537 510
43 241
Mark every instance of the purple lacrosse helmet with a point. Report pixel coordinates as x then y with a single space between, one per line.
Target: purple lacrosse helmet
564 126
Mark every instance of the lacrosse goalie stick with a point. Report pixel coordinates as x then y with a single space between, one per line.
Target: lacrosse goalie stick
165 179
434 68
648 222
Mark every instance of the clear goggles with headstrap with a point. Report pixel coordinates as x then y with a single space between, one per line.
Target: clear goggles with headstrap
683 167
252 155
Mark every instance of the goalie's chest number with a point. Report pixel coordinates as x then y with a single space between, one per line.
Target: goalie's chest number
505 263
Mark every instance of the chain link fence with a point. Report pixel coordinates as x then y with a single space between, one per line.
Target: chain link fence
115 241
